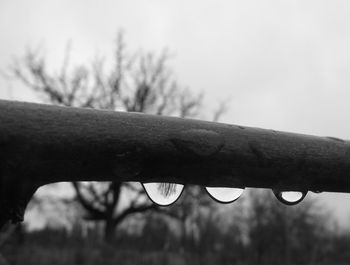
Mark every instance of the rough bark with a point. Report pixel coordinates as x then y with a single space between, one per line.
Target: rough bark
41 144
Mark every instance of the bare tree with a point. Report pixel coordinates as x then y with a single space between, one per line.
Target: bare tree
137 82
281 234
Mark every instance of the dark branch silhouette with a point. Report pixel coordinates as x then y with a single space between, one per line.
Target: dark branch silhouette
137 82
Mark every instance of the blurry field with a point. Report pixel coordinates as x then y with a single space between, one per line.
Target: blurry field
58 248
268 241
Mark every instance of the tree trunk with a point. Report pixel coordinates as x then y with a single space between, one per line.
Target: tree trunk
109 230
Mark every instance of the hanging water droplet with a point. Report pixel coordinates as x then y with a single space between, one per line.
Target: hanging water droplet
224 194
163 194
290 197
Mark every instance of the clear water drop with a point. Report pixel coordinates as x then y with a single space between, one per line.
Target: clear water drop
224 194
290 197
163 194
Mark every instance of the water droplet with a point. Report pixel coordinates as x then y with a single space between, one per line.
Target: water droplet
290 197
224 194
163 194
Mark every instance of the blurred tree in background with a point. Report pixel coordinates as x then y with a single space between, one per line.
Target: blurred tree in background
137 82
261 232
282 234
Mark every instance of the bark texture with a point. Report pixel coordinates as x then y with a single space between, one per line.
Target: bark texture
41 144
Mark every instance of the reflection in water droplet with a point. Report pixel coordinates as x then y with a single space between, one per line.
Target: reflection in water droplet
224 194
163 194
290 197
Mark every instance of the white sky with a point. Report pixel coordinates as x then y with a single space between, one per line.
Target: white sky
284 64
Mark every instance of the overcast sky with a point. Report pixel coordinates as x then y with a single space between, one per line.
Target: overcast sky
284 64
